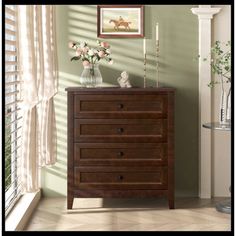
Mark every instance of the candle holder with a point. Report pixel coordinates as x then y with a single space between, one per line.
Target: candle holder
157 61
144 71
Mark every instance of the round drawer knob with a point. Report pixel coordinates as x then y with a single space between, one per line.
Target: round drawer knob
120 154
120 177
120 106
120 130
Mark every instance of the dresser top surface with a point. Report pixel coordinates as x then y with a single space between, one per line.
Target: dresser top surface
119 90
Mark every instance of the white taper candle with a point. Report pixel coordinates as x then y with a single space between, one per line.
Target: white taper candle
144 46
157 36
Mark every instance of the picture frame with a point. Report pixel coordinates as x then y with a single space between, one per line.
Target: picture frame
120 21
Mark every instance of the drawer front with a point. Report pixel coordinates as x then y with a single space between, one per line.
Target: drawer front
97 130
120 178
120 106
120 154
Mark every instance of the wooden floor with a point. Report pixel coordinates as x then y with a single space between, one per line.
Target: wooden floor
191 214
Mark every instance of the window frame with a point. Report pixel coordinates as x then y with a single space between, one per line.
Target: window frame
12 109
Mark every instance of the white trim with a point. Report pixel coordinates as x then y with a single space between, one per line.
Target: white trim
20 214
205 14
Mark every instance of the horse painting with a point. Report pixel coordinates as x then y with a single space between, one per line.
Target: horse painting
120 23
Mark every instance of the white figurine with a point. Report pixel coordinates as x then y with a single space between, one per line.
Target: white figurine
124 80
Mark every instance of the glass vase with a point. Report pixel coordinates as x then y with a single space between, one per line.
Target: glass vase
91 76
228 107
225 106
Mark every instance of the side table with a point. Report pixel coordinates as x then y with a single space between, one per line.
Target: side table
224 206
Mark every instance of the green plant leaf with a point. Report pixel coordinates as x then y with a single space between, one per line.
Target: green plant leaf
75 58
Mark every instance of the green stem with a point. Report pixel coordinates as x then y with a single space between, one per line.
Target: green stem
92 70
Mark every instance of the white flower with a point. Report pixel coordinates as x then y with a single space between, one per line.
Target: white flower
90 52
82 44
108 51
95 51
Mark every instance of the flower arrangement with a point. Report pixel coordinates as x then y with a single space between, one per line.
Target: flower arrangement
90 55
221 65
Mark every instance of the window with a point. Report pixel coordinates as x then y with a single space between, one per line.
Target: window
13 116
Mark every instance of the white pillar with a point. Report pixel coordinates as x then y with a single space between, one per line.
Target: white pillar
205 14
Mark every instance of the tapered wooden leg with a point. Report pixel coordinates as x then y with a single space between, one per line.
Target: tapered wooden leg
69 202
171 203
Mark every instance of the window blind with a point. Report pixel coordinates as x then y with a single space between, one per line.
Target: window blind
13 113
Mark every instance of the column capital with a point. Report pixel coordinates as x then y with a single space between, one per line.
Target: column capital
205 12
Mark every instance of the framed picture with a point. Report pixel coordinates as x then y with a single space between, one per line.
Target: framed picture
120 21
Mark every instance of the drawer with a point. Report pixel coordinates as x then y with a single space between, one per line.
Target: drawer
120 106
120 154
120 130
120 178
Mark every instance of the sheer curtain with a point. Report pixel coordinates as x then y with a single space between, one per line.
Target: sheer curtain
38 72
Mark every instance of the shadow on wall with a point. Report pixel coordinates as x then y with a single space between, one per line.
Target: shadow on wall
178 41
54 178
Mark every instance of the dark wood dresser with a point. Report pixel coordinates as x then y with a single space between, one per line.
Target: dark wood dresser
120 143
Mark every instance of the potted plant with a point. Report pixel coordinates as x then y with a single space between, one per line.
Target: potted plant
221 66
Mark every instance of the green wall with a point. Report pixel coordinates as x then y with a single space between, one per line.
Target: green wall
178 34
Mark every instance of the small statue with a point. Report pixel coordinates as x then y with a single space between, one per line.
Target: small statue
124 80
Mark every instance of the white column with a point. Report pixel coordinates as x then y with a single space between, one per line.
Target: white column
205 14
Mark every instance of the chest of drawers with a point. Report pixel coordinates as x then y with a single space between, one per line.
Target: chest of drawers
120 143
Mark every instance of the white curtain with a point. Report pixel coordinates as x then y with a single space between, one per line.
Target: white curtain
38 71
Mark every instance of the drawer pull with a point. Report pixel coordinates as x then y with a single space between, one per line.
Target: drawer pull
120 154
120 106
120 130
120 177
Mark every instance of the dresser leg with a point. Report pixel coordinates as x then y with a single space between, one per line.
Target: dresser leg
171 203
69 202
